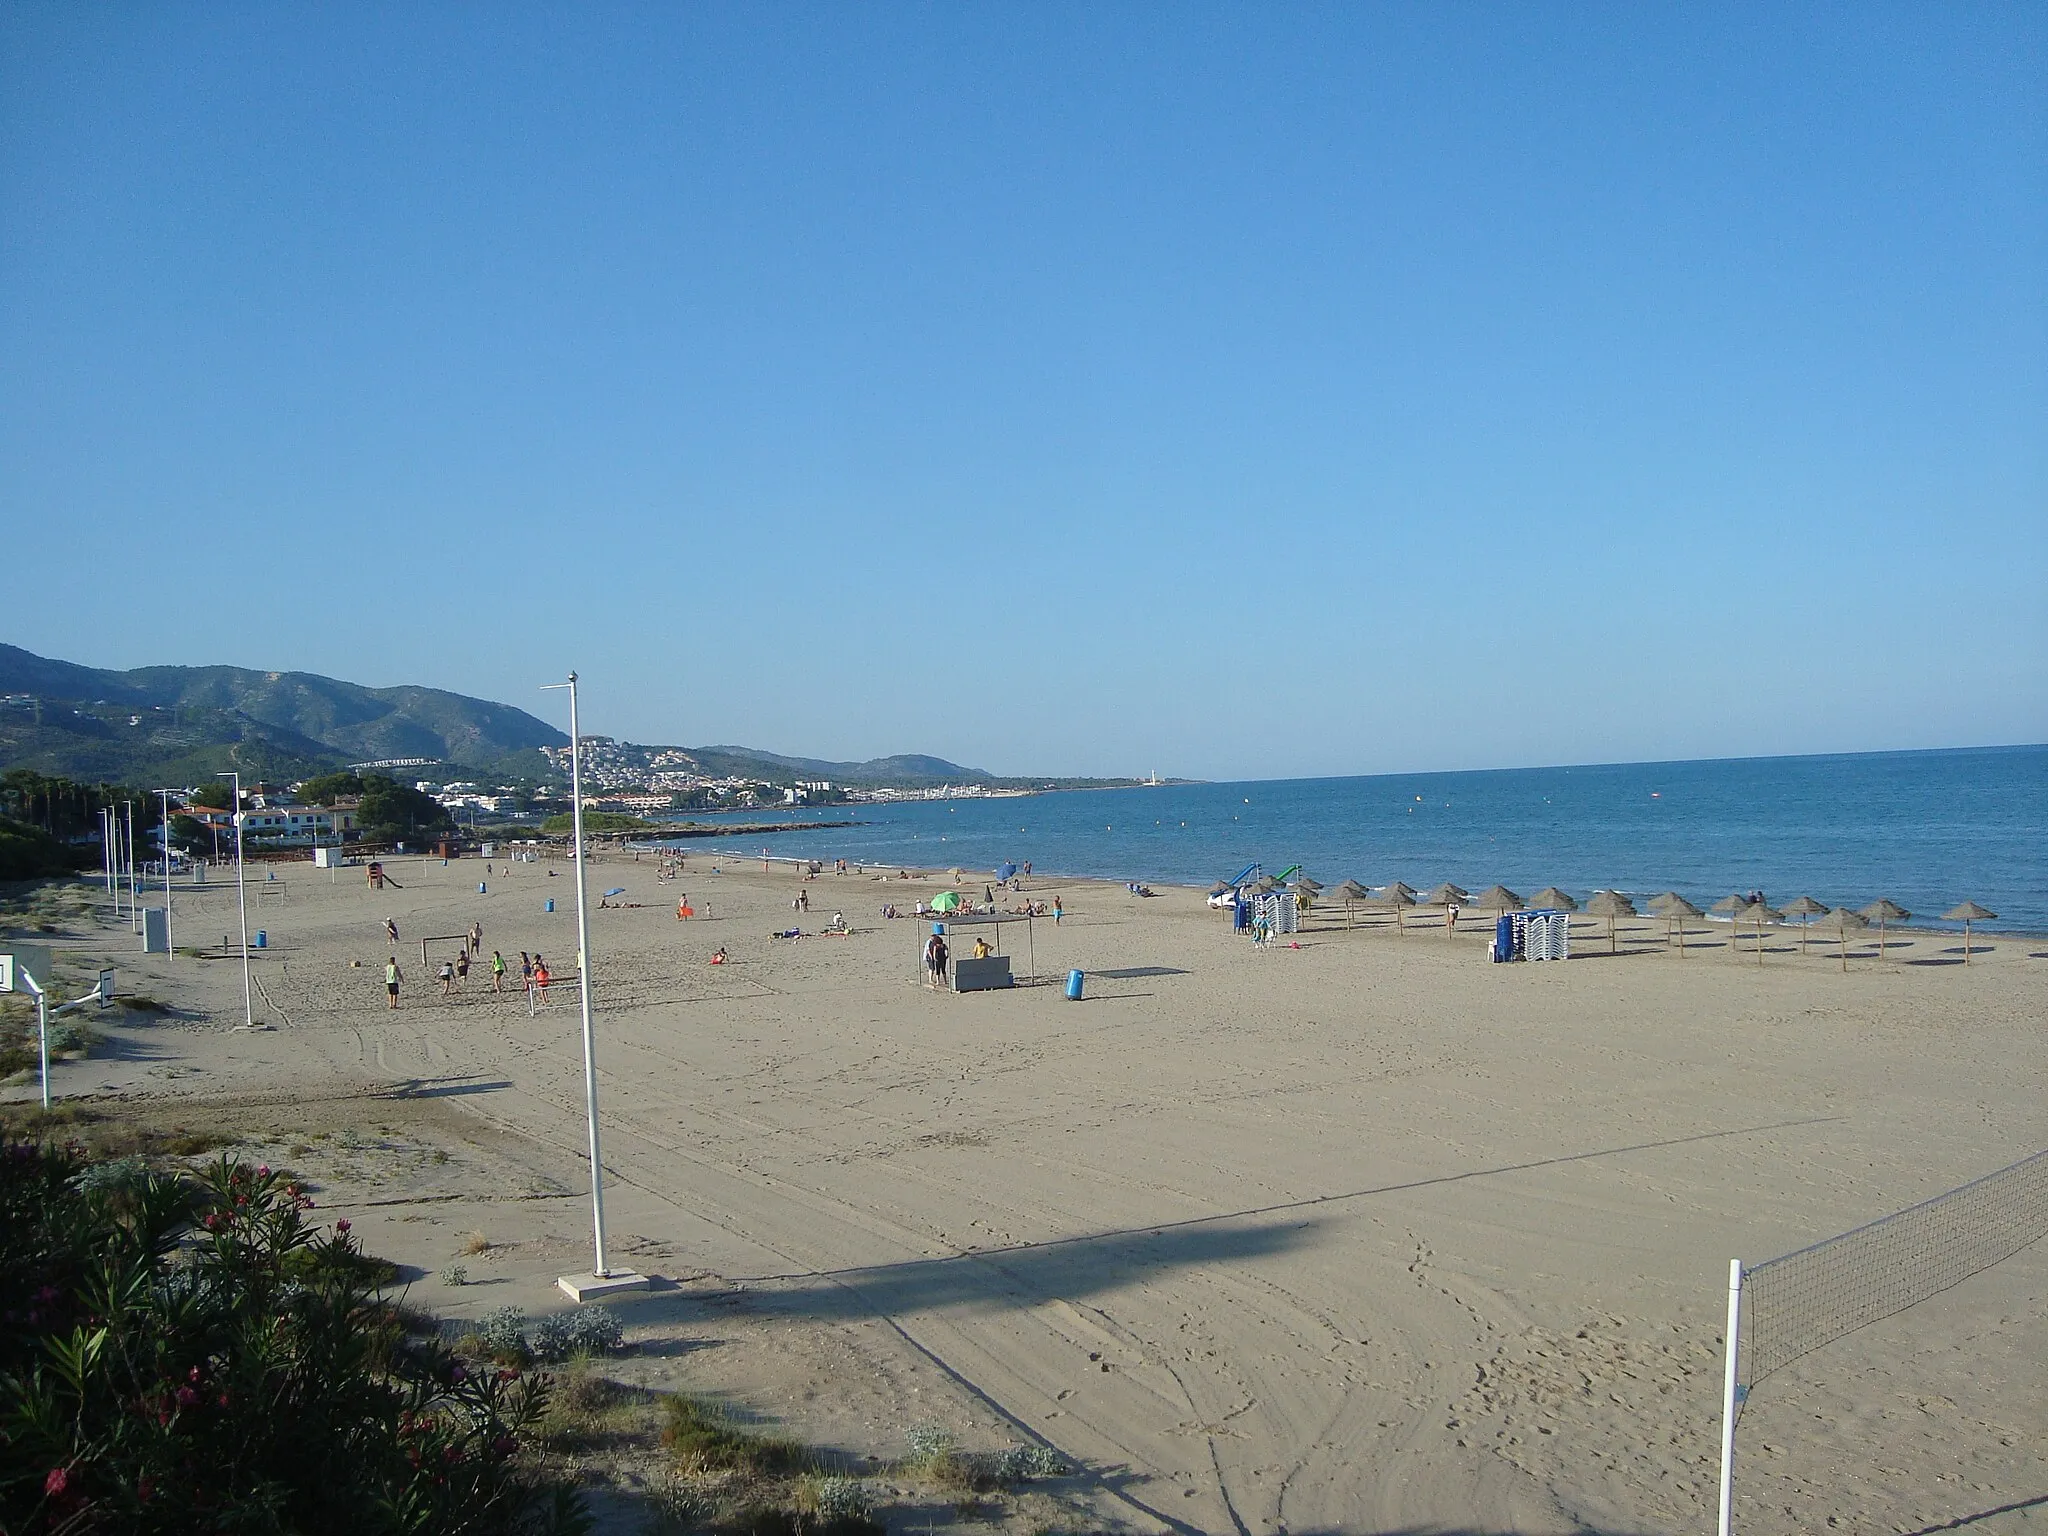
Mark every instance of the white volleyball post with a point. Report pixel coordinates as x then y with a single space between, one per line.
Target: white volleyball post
1730 1398
602 1279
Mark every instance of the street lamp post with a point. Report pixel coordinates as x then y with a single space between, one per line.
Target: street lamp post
164 837
134 909
242 904
602 1280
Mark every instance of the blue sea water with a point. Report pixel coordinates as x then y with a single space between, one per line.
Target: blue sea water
1927 829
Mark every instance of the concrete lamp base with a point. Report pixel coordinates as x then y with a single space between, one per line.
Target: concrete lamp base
593 1287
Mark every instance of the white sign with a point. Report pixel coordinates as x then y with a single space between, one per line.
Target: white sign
17 958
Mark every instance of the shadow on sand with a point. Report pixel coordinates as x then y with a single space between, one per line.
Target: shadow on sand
1964 1522
1099 1261
442 1088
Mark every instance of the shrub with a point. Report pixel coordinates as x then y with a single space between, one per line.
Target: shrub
502 1331
182 1352
704 1438
454 1274
929 1441
1022 1463
841 1498
503 1334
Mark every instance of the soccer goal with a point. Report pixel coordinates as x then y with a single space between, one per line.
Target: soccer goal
1780 1310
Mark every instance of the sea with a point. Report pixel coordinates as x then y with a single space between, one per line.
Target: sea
1927 829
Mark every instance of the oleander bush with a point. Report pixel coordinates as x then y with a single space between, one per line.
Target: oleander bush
191 1352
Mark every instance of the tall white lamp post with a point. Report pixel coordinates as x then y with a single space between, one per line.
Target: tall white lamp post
134 916
242 904
602 1279
170 945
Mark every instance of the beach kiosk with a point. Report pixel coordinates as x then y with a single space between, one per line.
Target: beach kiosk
992 972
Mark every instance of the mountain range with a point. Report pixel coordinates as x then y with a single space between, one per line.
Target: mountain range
179 725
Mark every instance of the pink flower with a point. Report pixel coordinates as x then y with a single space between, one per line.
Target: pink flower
458 1373
58 1480
341 1225
187 1397
263 1171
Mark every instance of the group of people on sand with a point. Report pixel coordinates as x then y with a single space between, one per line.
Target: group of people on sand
454 971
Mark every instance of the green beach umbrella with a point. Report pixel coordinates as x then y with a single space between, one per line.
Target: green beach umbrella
1805 908
1881 911
946 901
1969 912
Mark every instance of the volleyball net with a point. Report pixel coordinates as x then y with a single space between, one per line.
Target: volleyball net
1789 1306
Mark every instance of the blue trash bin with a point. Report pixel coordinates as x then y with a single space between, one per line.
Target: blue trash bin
1074 981
480 888
551 905
262 938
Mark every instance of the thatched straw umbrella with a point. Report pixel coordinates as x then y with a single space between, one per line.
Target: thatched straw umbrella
1969 912
1675 909
1220 887
1805 908
1610 905
1846 923
1446 896
1265 885
1350 893
1397 896
1305 891
1550 896
1497 899
1760 912
1881 911
1731 905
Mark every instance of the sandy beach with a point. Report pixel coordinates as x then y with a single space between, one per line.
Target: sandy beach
1364 1235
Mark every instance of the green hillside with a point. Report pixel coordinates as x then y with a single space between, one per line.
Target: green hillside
179 724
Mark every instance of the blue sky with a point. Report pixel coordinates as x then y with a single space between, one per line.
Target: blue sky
1238 391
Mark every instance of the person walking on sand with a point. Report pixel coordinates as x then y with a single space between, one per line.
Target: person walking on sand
461 967
541 978
1058 911
497 971
391 930
526 970
392 978
476 938
447 975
